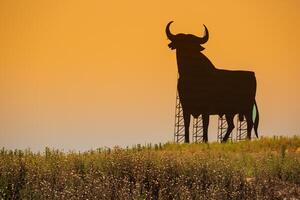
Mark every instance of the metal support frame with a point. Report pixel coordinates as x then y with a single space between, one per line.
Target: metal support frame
179 129
179 122
241 131
198 129
222 128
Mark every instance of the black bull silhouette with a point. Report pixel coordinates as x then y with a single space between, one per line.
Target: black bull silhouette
205 90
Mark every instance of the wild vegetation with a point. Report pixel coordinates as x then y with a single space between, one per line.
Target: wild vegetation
268 168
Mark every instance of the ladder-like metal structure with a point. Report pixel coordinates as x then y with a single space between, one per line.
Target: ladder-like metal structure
241 131
179 129
198 129
179 122
222 129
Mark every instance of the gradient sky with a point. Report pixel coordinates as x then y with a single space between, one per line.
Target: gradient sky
84 74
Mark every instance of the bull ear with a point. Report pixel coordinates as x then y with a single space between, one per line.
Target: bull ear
204 39
168 32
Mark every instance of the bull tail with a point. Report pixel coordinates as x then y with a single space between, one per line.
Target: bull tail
256 121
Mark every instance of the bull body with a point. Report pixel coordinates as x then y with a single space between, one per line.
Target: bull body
218 92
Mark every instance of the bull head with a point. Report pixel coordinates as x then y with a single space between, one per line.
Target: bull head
186 41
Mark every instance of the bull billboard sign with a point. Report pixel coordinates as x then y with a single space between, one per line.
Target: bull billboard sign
206 90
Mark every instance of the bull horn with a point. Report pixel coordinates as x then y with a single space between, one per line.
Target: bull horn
204 39
168 32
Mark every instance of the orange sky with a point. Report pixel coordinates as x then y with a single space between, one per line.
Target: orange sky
82 74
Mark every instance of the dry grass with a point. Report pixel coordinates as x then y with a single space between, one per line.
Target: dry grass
268 168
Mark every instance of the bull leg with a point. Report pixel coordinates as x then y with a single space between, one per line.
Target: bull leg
229 120
205 122
186 118
249 124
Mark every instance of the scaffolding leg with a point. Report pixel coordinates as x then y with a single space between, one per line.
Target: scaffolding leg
241 131
198 129
222 129
179 132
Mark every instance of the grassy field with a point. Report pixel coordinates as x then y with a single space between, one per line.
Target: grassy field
268 168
